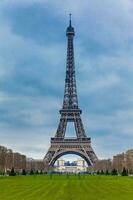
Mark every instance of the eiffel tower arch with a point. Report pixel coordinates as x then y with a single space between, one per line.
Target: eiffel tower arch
70 112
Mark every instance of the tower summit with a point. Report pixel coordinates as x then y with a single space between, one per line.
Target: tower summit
70 29
70 112
70 93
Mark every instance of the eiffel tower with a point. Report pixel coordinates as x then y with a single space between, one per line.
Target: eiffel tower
70 112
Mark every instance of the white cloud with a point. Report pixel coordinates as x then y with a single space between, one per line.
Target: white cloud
99 83
32 142
118 123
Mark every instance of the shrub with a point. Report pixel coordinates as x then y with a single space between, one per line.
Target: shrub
37 172
114 172
24 172
31 172
12 172
124 172
102 172
107 172
98 172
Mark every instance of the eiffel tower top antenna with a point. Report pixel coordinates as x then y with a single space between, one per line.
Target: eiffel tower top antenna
70 19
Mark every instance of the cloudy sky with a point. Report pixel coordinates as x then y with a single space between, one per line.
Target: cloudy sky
32 71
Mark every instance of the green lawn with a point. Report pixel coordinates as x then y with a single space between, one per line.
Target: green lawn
61 187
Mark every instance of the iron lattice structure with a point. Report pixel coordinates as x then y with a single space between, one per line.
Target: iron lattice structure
70 112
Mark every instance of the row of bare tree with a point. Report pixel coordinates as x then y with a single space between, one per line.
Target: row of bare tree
10 159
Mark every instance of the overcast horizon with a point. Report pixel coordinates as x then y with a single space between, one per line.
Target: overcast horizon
32 72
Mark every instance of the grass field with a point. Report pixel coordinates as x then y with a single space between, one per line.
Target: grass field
61 187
